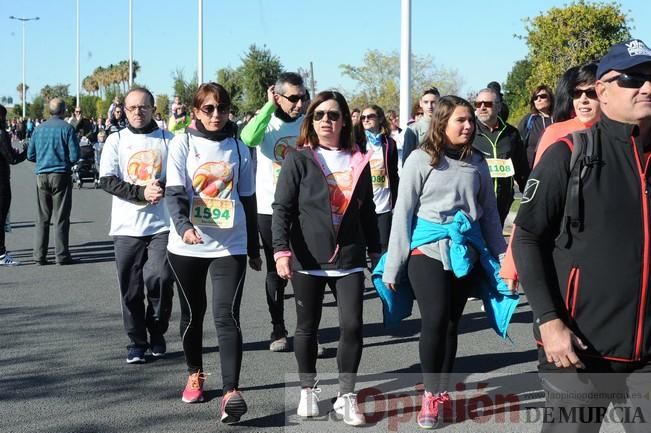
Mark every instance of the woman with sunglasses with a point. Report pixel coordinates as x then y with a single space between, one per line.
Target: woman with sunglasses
323 224
210 195
444 182
117 121
384 167
577 108
531 127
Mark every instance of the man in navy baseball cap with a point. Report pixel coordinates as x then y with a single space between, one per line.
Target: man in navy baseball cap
624 56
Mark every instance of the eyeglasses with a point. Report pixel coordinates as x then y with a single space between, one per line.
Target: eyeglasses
487 104
371 116
139 108
77 111
630 81
332 115
295 98
591 93
542 96
210 108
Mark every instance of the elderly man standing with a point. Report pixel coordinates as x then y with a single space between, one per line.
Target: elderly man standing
55 149
501 145
582 251
133 170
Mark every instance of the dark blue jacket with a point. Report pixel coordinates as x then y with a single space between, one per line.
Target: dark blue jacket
54 147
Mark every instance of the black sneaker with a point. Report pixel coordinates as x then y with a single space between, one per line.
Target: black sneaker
136 355
157 346
278 340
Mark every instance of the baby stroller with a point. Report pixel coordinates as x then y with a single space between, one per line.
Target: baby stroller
86 168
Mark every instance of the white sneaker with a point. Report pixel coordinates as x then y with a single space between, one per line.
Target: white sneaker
308 405
346 406
7 260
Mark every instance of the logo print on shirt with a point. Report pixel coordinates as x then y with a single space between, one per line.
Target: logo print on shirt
144 166
213 180
530 190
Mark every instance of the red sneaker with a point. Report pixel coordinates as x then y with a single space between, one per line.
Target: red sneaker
428 417
232 407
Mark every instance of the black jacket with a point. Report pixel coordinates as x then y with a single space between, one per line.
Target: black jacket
599 285
503 143
302 217
530 132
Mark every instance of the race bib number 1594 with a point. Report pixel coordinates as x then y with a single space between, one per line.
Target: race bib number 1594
213 212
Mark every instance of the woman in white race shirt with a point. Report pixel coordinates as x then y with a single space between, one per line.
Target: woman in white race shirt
323 222
384 167
210 195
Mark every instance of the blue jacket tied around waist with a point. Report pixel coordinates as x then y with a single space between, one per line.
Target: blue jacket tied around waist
499 302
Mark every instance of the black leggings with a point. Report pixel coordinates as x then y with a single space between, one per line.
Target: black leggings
384 227
274 285
5 202
308 294
227 278
441 299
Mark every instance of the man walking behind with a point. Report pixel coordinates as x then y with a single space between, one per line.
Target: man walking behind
133 170
55 149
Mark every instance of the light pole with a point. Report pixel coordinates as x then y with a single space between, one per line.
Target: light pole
78 62
130 44
200 43
23 20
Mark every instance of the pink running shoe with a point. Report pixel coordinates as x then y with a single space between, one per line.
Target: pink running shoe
428 417
232 407
193 392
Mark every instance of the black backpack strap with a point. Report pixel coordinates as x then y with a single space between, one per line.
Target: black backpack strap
584 157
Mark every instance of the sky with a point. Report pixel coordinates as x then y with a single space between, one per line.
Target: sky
475 37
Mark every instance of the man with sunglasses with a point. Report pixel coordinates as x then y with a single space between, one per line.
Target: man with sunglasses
273 132
132 170
416 132
587 278
501 145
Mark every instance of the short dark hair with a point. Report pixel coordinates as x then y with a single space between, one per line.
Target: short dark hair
431 91
219 91
288 78
144 90
307 134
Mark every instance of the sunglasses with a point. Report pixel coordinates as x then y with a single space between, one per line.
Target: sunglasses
542 96
630 81
210 108
371 116
332 115
487 104
295 98
591 93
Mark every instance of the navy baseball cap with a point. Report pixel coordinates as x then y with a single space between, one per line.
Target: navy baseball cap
624 56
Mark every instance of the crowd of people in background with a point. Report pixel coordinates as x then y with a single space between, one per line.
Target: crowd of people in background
329 189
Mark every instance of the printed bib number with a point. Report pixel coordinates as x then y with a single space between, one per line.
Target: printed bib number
379 178
213 212
500 167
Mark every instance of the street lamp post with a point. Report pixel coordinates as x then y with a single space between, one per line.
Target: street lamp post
23 20
200 42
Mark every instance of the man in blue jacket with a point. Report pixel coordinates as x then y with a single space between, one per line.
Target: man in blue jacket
55 149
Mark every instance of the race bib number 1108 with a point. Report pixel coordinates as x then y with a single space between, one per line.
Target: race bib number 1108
500 167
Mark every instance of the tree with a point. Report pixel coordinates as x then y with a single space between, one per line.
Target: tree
37 108
163 105
57 91
231 79
260 69
19 89
184 89
378 79
570 36
516 90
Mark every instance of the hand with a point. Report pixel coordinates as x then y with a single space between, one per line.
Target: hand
192 237
271 94
375 258
284 268
559 341
255 263
512 285
153 191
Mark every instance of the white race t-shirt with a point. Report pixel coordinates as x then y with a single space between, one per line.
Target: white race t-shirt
278 138
137 159
337 168
214 176
380 180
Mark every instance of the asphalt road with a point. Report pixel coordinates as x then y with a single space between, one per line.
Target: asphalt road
63 369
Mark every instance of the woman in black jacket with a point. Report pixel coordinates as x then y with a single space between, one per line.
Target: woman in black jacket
323 222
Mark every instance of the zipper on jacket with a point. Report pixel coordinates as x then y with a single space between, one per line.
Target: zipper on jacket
335 231
645 263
